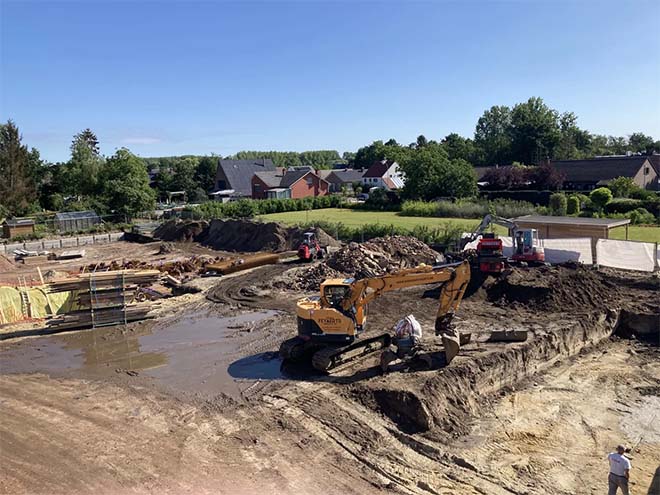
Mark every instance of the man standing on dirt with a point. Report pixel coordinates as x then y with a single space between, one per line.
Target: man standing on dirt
619 471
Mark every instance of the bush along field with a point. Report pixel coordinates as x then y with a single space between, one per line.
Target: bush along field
351 224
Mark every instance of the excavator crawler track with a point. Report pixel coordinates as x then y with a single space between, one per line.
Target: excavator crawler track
330 358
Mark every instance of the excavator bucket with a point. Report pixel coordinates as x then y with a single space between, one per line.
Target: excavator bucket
452 345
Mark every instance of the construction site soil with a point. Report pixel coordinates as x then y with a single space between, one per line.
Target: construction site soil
197 402
239 235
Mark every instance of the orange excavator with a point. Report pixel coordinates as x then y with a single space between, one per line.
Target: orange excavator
329 325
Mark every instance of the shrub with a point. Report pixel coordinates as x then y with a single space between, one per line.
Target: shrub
467 208
621 187
441 235
644 194
624 205
641 216
573 205
246 208
558 204
600 197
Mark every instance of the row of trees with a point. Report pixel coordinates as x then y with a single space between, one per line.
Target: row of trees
117 184
318 159
528 132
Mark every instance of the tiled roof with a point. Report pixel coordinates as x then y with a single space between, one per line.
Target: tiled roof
378 169
239 173
599 169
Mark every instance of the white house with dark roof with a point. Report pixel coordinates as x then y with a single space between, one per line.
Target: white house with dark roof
384 174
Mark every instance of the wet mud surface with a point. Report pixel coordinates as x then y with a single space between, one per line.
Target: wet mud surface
195 353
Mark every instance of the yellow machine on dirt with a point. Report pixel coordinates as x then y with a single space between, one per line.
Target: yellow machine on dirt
329 324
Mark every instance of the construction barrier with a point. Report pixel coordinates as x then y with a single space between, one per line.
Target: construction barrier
562 250
628 255
64 242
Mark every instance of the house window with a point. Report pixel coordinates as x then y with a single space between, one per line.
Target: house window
310 181
257 187
646 171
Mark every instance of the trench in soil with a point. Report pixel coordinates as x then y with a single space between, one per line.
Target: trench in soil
443 401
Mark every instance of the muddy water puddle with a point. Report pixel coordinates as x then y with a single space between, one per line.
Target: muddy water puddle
194 353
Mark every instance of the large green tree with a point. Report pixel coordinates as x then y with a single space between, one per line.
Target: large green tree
431 174
18 190
82 170
458 147
573 142
492 136
534 131
125 184
205 173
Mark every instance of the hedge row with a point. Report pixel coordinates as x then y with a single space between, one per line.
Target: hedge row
540 198
628 205
443 235
246 208
467 208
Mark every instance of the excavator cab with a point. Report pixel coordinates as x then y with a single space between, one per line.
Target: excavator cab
335 293
527 246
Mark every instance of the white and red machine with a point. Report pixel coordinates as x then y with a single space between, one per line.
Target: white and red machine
490 258
310 249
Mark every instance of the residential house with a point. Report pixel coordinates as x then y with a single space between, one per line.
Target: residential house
338 178
586 175
299 182
384 174
234 177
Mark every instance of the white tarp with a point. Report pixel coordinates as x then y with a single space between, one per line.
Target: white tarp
570 249
626 254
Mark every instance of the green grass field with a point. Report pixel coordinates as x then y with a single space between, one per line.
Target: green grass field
355 218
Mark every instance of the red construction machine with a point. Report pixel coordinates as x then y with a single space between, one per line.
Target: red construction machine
310 249
490 257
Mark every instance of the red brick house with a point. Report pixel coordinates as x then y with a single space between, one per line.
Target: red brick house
293 183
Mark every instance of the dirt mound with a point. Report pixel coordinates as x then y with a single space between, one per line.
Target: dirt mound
560 288
239 235
381 255
251 236
375 257
180 231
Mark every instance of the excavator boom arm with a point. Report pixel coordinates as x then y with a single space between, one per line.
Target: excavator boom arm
454 278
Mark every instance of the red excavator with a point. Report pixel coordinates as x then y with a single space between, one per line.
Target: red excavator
310 249
526 245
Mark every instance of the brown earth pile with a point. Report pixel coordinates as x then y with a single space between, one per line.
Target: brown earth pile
252 236
564 288
180 231
373 258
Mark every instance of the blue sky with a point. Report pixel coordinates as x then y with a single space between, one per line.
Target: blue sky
173 77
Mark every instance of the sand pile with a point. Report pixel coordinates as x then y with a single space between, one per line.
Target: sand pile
369 259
